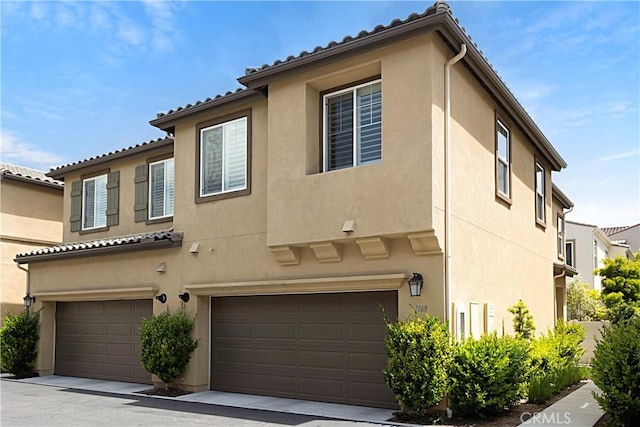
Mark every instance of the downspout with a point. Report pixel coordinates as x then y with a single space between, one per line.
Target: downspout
447 180
28 278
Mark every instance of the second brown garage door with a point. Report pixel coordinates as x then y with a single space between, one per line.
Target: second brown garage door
100 339
324 347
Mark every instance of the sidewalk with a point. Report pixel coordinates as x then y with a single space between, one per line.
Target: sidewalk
578 409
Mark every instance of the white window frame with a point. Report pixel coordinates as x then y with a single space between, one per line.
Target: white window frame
354 138
165 178
561 247
540 190
570 251
502 160
246 166
95 202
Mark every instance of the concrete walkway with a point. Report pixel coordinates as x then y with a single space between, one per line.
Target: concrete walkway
578 409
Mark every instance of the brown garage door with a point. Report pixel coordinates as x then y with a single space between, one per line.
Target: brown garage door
325 347
100 339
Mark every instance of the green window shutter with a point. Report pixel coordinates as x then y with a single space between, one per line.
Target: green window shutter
75 220
113 196
141 205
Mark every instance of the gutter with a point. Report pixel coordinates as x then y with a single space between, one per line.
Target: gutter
28 277
447 181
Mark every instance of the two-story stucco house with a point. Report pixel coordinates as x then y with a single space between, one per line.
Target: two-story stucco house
587 245
30 217
286 215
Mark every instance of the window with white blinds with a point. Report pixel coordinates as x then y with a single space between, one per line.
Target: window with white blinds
540 193
503 158
353 126
94 202
161 189
223 157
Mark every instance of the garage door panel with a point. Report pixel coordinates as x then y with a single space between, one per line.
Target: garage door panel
100 339
327 347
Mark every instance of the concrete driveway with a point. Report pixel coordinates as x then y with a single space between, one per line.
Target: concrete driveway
26 404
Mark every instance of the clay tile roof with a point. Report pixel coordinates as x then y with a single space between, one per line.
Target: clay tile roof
29 175
613 230
202 104
60 171
152 240
437 7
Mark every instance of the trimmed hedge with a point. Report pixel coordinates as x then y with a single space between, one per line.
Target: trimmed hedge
488 375
419 354
18 338
616 371
166 344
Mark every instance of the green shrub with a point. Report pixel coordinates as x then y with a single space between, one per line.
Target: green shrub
18 337
544 385
419 353
488 375
166 344
522 320
560 347
616 371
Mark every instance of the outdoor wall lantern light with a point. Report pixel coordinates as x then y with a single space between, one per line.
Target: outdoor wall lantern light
184 297
28 300
162 298
415 285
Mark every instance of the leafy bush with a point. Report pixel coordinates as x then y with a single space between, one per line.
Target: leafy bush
18 337
488 375
559 348
166 344
621 287
616 371
419 353
584 303
522 320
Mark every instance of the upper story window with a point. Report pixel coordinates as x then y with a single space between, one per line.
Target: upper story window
560 237
595 254
570 254
540 194
161 189
352 126
223 157
503 160
154 190
94 202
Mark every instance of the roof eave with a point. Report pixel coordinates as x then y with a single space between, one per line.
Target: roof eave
32 181
261 78
60 172
168 121
455 36
562 198
104 250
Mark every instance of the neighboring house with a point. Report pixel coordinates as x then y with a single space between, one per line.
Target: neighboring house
30 217
587 245
626 235
287 215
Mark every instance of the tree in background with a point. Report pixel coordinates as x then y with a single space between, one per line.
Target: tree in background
522 320
584 303
621 287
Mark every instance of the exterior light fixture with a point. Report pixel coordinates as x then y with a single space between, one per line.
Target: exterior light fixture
184 297
162 298
415 285
28 300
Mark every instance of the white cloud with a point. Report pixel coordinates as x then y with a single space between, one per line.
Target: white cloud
619 156
12 150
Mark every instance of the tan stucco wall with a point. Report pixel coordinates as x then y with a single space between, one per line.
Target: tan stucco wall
499 255
30 217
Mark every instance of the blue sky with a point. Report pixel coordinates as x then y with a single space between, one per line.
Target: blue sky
83 78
